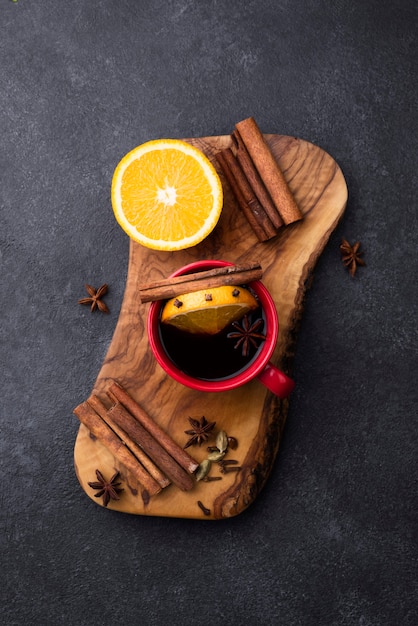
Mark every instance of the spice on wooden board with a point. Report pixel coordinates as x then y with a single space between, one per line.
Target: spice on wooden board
230 468
184 459
229 465
203 508
203 469
245 196
269 170
232 443
142 457
107 437
199 432
216 455
109 489
222 441
255 180
151 447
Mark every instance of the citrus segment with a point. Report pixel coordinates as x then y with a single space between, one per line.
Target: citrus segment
166 195
208 311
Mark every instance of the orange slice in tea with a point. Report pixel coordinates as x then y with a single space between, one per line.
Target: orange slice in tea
166 195
208 311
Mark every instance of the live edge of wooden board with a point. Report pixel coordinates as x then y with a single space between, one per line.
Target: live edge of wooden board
251 414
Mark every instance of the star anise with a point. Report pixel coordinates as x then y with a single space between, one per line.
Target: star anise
247 334
199 432
351 256
109 489
95 298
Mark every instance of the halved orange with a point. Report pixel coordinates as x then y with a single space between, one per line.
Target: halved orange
166 195
208 311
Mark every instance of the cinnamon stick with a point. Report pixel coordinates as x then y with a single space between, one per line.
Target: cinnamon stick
151 447
255 180
246 198
182 457
269 170
148 464
177 285
103 433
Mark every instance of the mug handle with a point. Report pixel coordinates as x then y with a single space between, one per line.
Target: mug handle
276 381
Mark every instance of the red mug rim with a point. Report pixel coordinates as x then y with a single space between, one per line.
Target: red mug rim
254 368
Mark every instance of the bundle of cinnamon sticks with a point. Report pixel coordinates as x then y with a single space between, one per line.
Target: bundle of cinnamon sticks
153 458
257 181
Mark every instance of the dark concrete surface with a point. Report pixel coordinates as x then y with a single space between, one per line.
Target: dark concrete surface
331 540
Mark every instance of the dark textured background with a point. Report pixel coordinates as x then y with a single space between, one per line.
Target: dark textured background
331 540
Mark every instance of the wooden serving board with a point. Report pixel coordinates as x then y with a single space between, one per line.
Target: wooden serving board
251 413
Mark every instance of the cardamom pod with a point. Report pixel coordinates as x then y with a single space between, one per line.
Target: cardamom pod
222 441
216 456
203 469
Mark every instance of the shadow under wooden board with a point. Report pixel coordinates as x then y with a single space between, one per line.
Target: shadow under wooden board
251 414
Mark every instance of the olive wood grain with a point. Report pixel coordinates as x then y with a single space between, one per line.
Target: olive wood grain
251 413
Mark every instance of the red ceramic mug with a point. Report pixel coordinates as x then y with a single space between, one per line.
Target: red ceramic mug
260 367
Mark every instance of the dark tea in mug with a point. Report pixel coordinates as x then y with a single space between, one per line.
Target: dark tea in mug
215 357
